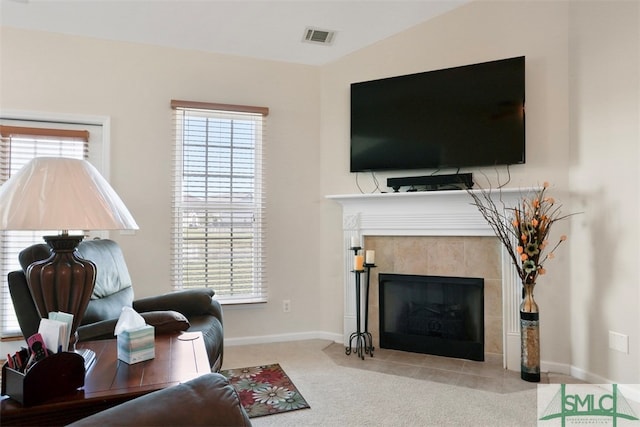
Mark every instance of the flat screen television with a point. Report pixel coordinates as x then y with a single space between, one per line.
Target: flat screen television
459 117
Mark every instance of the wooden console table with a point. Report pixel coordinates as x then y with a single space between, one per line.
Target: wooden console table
109 381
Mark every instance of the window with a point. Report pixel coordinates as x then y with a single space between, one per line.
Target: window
218 203
20 141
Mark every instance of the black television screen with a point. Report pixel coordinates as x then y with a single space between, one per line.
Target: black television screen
452 118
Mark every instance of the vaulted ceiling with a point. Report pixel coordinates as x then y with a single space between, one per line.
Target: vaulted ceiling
262 29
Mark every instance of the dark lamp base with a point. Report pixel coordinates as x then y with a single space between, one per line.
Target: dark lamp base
63 282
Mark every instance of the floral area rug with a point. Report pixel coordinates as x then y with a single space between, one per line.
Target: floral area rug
265 390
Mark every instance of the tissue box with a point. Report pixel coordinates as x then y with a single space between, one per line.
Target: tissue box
136 345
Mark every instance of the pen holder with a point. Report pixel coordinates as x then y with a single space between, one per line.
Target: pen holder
56 375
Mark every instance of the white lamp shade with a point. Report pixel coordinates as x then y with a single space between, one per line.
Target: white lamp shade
58 193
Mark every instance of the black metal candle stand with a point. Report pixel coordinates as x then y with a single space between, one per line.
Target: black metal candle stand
363 339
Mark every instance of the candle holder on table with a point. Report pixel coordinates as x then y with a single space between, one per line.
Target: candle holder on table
363 339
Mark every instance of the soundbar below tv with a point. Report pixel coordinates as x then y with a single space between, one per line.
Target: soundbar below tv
452 118
460 181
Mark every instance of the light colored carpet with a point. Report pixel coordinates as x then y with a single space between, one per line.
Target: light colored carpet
346 396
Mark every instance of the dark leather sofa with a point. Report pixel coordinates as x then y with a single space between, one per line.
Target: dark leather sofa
208 400
190 310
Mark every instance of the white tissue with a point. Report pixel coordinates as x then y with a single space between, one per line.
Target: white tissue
129 319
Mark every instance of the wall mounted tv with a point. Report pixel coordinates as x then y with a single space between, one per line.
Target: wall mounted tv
452 118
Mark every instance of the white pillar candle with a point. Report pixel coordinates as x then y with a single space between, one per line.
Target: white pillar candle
370 257
355 242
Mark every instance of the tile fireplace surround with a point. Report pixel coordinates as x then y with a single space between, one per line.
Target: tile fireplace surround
465 256
434 233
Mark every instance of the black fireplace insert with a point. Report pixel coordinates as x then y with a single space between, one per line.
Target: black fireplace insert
432 314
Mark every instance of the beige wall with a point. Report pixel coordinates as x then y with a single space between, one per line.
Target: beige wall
480 31
133 85
605 145
582 136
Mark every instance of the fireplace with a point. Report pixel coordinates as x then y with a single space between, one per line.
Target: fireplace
433 214
432 314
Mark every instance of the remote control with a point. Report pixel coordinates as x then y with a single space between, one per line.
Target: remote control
36 344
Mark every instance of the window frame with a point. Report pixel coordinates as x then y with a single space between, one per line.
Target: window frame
99 148
252 284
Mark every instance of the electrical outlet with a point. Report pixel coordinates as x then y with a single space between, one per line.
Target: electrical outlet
286 305
619 342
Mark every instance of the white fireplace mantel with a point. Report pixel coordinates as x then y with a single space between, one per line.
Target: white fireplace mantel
428 213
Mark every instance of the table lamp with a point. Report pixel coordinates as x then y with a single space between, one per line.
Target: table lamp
58 193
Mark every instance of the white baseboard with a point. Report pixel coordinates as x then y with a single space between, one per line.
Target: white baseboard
631 391
563 368
583 375
558 368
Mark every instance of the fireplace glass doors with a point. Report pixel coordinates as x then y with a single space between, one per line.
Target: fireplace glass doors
432 314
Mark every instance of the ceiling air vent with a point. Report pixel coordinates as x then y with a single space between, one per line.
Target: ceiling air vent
316 35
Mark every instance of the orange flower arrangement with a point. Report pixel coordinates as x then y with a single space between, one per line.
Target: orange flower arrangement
525 234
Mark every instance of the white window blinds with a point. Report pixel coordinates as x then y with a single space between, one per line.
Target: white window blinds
18 145
218 200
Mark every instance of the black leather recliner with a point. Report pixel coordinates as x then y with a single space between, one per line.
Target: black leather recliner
191 310
208 400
